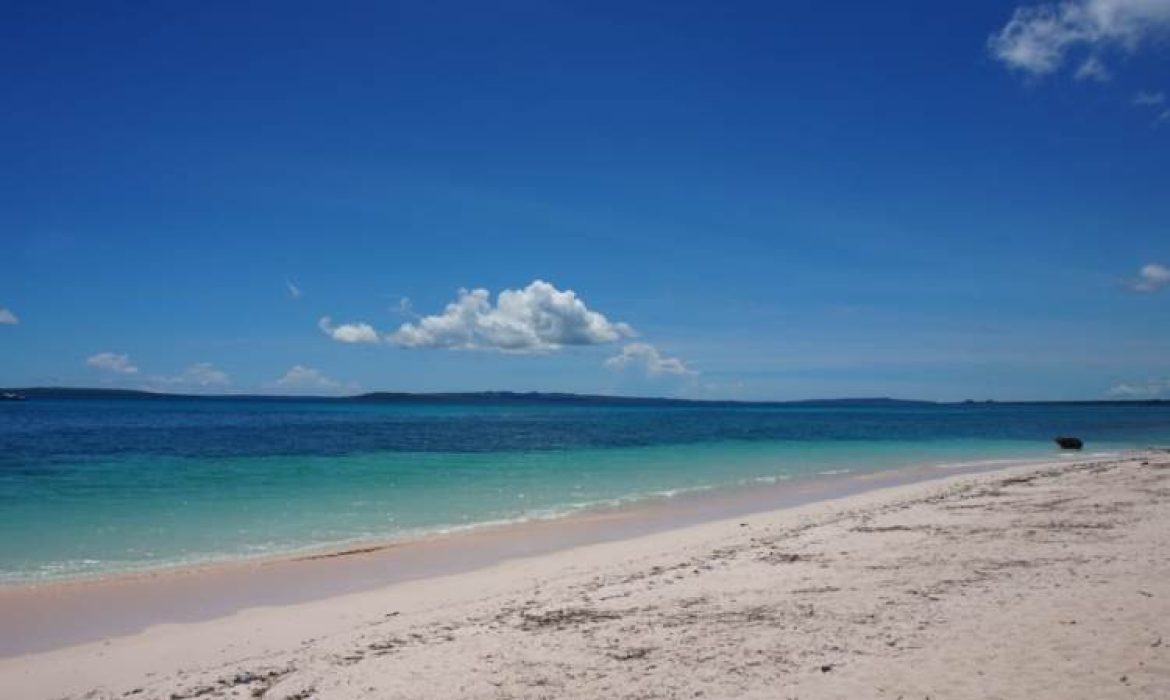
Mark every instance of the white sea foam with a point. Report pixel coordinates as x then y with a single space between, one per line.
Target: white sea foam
976 463
773 479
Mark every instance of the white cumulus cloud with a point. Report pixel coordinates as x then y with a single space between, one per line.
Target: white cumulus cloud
301 377
1151 278
348 332
1149 389
537 318
112 362
7 318
648 358
1038 39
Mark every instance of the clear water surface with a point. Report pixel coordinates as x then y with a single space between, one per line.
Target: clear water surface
97 486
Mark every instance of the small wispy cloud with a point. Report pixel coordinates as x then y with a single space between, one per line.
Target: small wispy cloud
7 318
1093 69
206 374
201 375
648 357
1150 278
301 378
294 292
1149 99
537 318
404 307
1156 101
1148 389
353 333
1038 39
118 363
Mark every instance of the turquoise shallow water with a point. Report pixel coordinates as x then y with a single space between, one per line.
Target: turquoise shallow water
93 487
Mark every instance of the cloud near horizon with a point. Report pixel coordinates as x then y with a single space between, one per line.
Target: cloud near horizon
1039 39
538 318
201 375
348 332
118 363
1149 389
300 377
7 318
1151 278
648 357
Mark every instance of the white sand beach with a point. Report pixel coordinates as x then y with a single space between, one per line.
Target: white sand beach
1049 581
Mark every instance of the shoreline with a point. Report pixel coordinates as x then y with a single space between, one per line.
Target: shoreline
50 615
568 513
1044 580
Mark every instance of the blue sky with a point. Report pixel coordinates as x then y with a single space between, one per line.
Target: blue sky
777 200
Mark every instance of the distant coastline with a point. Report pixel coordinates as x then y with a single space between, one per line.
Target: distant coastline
532 398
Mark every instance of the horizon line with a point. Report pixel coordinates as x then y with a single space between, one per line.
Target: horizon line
565 395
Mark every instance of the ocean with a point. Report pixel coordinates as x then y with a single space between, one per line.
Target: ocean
90 487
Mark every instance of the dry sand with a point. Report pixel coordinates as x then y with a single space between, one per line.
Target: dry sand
1031 582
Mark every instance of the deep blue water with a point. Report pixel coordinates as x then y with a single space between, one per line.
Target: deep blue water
93 486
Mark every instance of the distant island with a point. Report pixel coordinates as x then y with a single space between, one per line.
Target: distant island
464 397
531 398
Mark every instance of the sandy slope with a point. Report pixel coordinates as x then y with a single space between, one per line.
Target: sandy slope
1039 582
